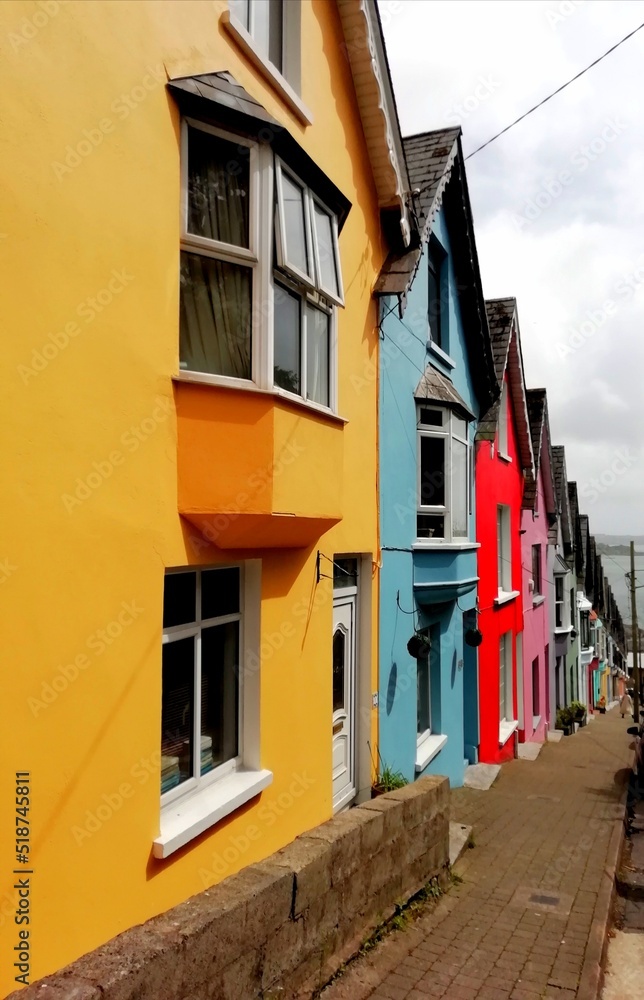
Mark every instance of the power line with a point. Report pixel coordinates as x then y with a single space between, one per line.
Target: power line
557 91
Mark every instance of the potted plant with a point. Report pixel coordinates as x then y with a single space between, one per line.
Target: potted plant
564 721
387 780
579 712
601 705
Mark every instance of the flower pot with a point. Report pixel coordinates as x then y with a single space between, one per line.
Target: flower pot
377 790
602 711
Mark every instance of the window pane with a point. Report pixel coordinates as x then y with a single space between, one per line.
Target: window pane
179 599
317 355
339 669
275 32
432 471
219 695
429 417
536 700
345 573
218 188
295 249
502 677
430 526
240 9
459 489
219 592
423 703
459 426
328 277
215 316
177 712
287 363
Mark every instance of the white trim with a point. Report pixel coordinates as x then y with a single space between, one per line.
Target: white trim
441 354
538 600
504 457
191 816
506 728
247 44
428 543
223 382
427 749
564 630
303 277
504 596
536 719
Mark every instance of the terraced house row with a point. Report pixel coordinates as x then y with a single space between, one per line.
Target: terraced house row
284 514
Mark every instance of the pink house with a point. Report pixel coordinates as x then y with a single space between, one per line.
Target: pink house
538 516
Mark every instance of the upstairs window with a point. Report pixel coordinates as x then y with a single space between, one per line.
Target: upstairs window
437 295
228 330
264 21
443 475
503 421
504 551
536 571
559 602
572 607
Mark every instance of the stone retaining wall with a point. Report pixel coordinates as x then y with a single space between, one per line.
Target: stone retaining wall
281 927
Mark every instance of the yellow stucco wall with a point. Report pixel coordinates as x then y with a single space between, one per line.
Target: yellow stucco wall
82 583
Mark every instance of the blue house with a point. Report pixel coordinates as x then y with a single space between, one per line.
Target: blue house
436 376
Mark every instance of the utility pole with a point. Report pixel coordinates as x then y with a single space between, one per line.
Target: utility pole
635 638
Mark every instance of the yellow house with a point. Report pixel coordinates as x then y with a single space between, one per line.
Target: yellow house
197 200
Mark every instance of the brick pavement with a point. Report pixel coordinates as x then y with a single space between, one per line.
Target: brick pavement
544 829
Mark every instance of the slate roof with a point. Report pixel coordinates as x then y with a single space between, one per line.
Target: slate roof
561 487
500 313
537 402
435 387
573 500
583 531
430 156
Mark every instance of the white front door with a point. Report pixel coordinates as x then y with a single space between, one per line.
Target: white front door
344 685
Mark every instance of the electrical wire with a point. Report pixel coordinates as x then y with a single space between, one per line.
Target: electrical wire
557 91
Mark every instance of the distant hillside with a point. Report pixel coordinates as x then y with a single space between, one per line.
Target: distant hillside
613 550
620 540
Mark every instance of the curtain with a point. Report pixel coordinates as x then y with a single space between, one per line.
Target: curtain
317 355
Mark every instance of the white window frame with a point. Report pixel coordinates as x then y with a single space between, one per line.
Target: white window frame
507 722
266 224
504 549
200 802
447 433
503 423
422 736
537 592
560 602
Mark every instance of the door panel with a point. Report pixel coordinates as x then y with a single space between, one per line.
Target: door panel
344 664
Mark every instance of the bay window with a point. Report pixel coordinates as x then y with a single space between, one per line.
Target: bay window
559 602
444 485
260 270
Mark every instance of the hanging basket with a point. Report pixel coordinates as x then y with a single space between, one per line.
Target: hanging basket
419 646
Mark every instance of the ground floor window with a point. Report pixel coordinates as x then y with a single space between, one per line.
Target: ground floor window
536 693
506 710
201 683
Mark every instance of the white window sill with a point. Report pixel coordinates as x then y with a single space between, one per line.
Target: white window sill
441 355
563 630
536 719
185 819
429 543
504 596
247 44
539 599
427 750
506 458
222 382
505 731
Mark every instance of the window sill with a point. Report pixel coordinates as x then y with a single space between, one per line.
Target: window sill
246 43
427 750
538 600
563 631
187 818
505 596
422 544
505 731
506 458
221 382
441 355
536 719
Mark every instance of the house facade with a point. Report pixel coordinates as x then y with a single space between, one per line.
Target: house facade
538 516
504 474
566 681
201 192
436 375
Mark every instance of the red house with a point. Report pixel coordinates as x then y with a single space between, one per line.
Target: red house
504 468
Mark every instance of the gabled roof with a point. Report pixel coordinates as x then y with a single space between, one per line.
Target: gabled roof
503 324
434 387
537 400
561 488
575 520
436 168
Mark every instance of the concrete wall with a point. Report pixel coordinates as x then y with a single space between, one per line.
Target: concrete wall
282 926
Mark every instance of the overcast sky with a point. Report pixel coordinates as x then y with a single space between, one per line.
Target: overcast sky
558 205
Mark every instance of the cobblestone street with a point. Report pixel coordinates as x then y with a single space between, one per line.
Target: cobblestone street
529 918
